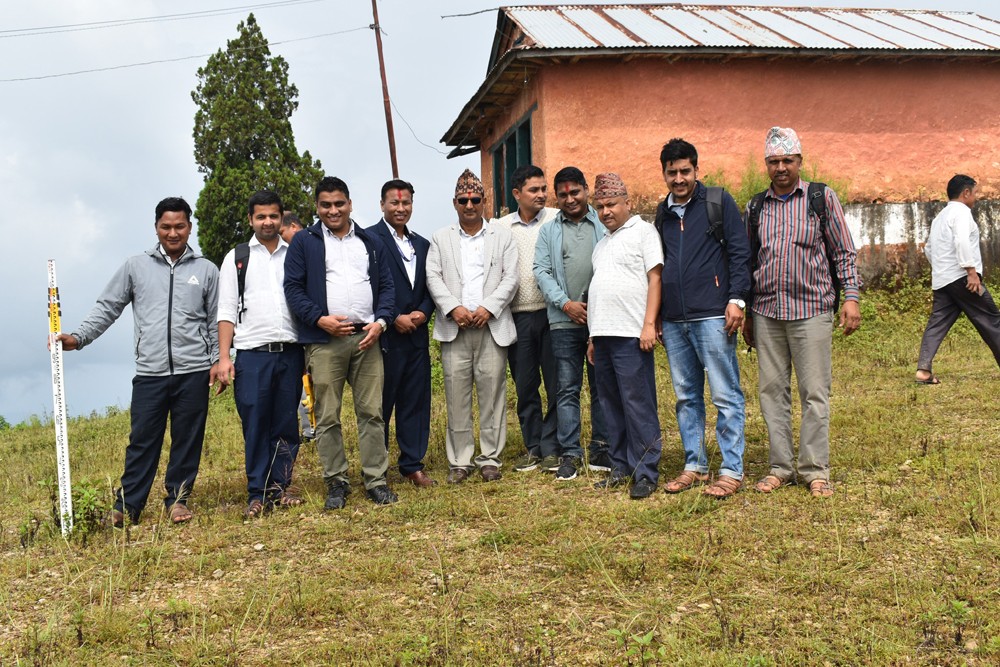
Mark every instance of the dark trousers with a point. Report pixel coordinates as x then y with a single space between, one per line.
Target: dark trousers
267 389
407 392
185 399
532 363
951 301
626 388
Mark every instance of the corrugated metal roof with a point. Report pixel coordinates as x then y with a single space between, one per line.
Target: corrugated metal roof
680 26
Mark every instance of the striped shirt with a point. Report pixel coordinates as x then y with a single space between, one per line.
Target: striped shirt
791 273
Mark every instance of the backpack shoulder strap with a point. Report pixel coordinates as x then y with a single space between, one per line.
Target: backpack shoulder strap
241 257
713 202
817 203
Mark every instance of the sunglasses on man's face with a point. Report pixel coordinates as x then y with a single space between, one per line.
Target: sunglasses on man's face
476 201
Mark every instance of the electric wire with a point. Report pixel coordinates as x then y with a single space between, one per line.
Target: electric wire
115 23
170 60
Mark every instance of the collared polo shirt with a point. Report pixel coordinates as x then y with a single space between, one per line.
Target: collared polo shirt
618 291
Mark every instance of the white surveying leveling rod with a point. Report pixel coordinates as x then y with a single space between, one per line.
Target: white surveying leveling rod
59 405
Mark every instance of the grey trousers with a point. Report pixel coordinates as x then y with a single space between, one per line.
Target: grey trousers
805 346
474 358
951 301
330 365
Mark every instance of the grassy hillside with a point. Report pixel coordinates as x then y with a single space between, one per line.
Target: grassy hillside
900 567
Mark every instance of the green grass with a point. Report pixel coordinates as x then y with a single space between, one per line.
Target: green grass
900 567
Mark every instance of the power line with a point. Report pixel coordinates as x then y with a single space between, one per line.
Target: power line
172 60
407 123
115 23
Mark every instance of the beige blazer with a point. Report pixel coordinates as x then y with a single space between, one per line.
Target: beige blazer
500 280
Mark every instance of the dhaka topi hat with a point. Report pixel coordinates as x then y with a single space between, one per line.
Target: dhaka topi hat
469 182
609 185
782 141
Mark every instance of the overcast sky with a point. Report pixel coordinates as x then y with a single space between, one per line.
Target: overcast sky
85 158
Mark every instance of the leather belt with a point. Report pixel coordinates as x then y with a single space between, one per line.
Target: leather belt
275 347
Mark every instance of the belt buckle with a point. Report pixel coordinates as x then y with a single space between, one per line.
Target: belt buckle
359 327
275 347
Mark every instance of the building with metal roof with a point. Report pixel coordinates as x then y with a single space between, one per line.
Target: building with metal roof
891 102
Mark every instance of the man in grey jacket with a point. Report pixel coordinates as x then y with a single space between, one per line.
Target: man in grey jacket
174 295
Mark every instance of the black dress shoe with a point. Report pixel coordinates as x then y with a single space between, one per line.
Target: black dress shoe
643 488
490 473
382 495
336 495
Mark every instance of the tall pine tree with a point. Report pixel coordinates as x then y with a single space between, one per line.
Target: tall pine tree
243 140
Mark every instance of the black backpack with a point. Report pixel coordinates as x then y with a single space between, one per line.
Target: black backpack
817 203
241 257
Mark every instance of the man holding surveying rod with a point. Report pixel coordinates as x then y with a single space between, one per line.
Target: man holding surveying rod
174 295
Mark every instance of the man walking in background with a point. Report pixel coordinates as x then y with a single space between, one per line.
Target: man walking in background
407 388
174 294
267 375
957 277
530 357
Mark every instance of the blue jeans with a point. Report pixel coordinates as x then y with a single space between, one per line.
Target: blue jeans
694 349
569 347
626 380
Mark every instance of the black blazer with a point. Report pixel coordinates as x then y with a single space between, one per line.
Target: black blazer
408 299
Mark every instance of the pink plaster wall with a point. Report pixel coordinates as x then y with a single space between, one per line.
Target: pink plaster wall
891 131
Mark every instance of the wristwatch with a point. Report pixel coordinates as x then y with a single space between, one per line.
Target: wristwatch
740 303
382 324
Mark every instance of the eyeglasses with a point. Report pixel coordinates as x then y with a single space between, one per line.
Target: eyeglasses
476 201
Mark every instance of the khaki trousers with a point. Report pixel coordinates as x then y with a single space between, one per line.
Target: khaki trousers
330 364
474 358
805 346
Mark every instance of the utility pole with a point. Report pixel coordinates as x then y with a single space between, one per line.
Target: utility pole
385 91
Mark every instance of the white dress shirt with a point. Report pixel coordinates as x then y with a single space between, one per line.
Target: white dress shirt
953 245
348 288
472 267
266 318
406 251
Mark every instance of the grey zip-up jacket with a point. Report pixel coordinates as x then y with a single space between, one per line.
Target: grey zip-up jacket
174 308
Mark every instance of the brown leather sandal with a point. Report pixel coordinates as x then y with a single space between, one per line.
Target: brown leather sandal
289 499
769 483
685 481
255 508
723 487
820 488
179 513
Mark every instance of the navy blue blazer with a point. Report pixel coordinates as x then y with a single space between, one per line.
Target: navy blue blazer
305 282
408 299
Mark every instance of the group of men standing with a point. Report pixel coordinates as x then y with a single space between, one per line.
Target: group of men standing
554 293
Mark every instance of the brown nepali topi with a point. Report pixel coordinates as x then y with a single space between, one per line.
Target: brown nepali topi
609 185
469 182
